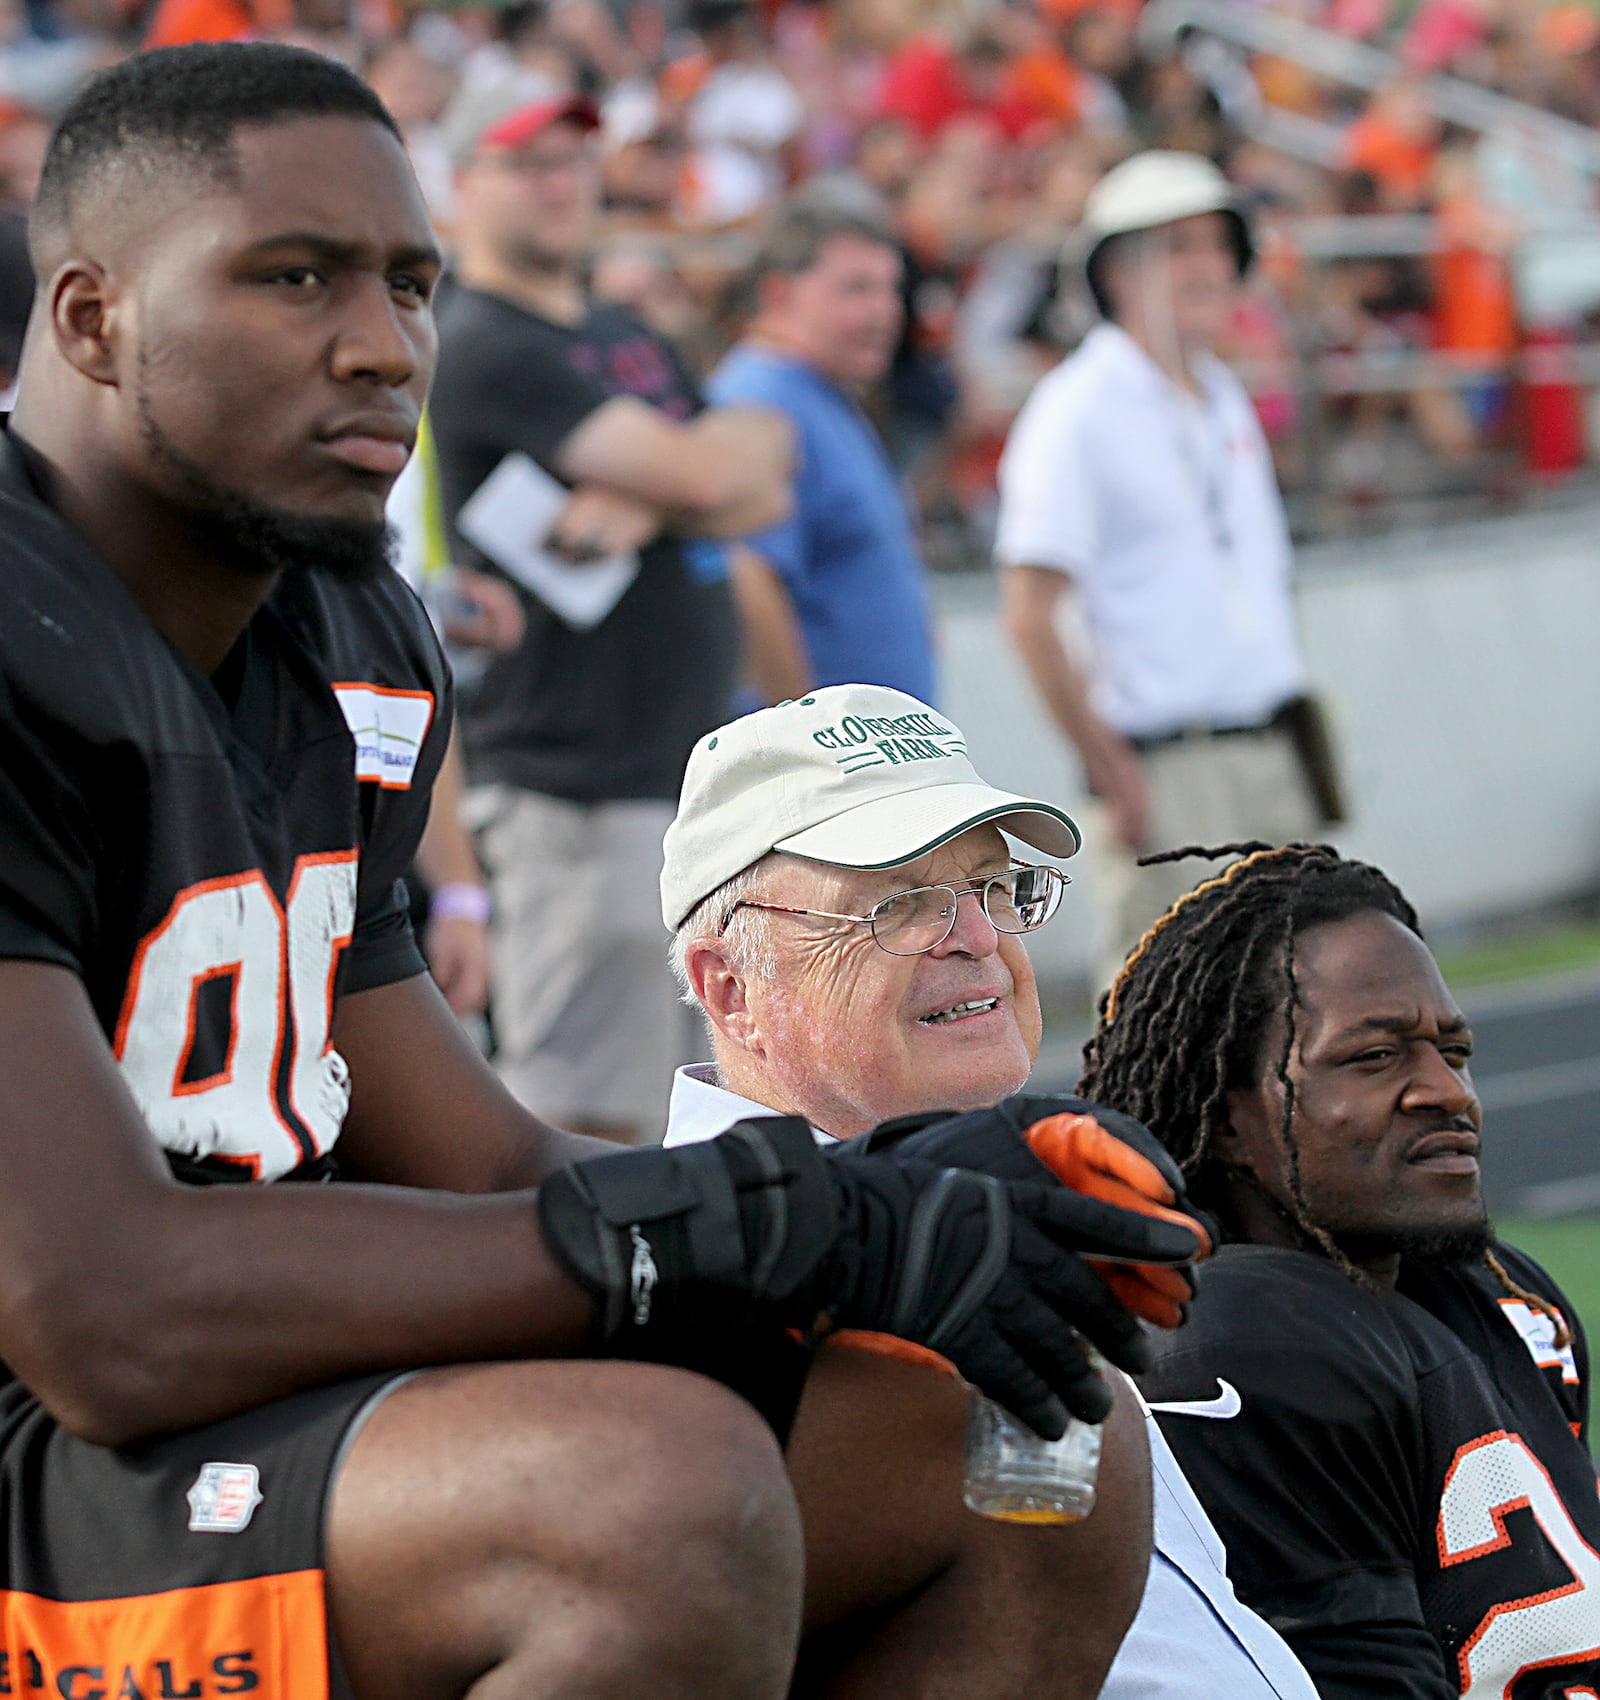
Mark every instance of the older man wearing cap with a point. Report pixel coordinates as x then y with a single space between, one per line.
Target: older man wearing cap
575 740
817 877
1137 473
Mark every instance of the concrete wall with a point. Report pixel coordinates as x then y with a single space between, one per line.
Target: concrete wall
1462 670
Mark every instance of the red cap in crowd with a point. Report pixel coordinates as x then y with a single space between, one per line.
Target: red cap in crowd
519 128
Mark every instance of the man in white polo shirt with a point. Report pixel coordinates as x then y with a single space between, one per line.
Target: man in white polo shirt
816 877
1138 473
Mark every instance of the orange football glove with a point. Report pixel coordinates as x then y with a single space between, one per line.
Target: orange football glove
1096 1151
1082 1155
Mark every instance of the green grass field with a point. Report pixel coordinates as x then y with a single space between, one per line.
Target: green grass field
1567 949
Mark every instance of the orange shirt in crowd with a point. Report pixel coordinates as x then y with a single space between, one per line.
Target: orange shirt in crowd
1284 83
178 21
1402 164
1064 10
683 78
1474 309
1045 82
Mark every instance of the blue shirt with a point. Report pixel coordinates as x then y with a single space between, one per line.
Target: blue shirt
846 554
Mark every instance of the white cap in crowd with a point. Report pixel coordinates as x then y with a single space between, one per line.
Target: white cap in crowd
857 776
1153 188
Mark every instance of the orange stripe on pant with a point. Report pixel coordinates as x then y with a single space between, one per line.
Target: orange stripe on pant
266 1637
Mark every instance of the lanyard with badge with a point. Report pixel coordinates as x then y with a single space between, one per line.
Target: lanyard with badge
1204 447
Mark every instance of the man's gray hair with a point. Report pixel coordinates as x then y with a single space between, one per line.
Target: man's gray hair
746 942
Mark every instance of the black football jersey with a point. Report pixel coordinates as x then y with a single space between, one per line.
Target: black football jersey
217 868
1401 1478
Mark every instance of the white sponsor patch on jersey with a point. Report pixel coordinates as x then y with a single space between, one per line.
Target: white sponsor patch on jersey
1538 1333
224 1498
388 727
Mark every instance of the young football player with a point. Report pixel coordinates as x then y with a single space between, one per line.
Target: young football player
224 1467
1382 1407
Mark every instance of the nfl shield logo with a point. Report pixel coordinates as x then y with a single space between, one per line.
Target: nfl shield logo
224 1498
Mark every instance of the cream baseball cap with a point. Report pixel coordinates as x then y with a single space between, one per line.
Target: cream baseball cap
858 776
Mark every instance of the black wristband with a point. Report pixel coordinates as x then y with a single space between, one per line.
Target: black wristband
669 1239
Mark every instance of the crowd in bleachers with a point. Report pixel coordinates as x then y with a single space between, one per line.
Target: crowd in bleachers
981 126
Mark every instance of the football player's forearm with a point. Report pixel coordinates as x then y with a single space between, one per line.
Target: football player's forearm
131 1304
426 1111
226 1298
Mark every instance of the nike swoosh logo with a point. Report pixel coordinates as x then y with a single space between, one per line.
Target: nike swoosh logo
1226 1404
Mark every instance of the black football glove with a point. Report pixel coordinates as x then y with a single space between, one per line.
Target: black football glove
759 1224
722 1233
988 1273
1089 1148
994 1139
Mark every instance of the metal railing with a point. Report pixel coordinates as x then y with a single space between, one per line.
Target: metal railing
1325 380
1358 65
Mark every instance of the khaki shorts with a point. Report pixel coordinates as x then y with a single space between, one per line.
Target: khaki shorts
588 1026
1202 791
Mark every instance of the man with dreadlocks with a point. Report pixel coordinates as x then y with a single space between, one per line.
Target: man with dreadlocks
1383 1408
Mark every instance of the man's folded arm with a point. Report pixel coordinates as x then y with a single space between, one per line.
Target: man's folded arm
723 473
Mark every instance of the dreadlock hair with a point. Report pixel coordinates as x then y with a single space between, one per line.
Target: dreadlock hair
1182 1024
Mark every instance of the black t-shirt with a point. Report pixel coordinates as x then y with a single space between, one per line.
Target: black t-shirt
612 712
1400 1477
217 872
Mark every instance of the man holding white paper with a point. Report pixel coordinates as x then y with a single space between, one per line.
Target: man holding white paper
576 460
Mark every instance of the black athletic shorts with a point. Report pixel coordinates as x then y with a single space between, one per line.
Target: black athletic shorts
183 1568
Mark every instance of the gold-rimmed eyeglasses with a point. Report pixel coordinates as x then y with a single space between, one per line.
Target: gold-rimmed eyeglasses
907 923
